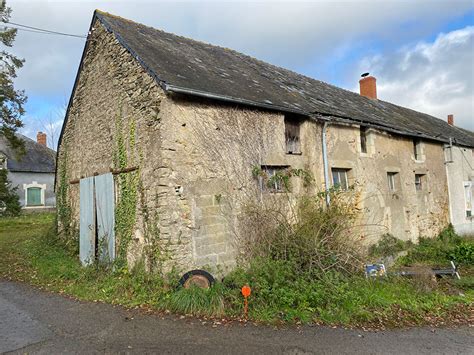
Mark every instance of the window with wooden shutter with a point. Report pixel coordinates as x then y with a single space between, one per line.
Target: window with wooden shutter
292 135
33 196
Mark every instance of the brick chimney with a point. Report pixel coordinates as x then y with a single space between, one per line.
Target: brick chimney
451 120
368 87
41 138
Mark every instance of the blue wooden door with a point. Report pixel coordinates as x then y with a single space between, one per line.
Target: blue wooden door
87 221
105 206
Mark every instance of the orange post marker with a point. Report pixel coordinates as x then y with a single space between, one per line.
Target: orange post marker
246 291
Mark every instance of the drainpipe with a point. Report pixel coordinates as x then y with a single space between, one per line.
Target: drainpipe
450 207
325 164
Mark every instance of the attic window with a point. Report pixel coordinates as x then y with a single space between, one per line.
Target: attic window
363 139
292 135
417 149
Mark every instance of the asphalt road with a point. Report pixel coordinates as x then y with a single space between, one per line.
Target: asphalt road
32 321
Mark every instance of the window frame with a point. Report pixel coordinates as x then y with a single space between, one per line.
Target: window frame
292 135
270 171
363 139
420 184
340 172
468 197
28 203
392 181
42 188
417 150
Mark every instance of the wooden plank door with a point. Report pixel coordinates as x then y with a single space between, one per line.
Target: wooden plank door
87 225
105 207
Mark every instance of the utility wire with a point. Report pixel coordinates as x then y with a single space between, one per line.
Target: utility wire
41 30
27 30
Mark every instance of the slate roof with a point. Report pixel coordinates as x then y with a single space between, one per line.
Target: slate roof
38 158
187 66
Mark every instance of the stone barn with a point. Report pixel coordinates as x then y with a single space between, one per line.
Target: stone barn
166 139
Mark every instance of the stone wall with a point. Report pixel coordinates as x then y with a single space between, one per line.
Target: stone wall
196 160
114 97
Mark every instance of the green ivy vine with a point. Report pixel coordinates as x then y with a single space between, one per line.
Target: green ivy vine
282 177
64 210
126 209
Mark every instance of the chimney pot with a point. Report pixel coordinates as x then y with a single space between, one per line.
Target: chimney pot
451 120
41 138
368 87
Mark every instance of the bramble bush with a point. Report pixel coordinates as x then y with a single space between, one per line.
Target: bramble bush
305 233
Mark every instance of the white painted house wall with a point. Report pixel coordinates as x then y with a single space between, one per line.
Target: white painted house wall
460 172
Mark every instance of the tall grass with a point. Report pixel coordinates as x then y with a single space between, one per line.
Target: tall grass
279 294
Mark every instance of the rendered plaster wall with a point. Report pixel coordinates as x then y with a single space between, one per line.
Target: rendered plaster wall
406 213
460 170
46 180
211 150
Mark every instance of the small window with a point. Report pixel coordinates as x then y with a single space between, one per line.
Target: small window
419 182
417 149
339 178
392 181
33 196
468 197
363 139
292 135
273 178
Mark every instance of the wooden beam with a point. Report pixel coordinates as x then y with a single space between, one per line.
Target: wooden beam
113 171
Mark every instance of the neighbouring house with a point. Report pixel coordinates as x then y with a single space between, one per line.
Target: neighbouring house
32 173
163 135
460 172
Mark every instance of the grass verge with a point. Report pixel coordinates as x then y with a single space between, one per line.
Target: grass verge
30 252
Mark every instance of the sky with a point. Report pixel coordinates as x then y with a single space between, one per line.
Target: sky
421 52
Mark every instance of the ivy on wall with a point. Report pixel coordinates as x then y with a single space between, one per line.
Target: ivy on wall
132 199
126 208
284 177
67 228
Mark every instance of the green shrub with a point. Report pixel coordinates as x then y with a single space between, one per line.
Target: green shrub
9 200
441 250
462 253
388 245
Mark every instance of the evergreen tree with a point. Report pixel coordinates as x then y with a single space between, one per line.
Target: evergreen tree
9 201
11 111
11 101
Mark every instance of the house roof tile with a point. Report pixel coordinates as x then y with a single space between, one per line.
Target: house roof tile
185 65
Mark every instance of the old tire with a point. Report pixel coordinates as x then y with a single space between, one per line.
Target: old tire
198 278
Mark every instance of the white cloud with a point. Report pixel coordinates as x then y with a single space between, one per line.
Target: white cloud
436 78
